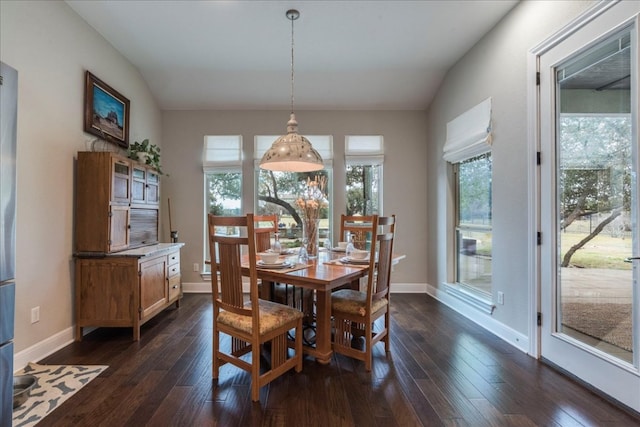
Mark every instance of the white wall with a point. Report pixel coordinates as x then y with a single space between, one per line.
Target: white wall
404 171
495 67
51 47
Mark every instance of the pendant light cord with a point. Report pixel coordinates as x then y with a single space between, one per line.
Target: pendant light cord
292 18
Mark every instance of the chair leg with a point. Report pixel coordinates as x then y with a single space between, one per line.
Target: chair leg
387 341
255 372
298 344
215 362
368 334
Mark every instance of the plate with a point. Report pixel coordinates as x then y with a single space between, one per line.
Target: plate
338 249
279 264
350 260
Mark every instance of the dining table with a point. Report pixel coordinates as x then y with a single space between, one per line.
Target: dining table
323 274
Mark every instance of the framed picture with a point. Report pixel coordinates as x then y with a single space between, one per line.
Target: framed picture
106 112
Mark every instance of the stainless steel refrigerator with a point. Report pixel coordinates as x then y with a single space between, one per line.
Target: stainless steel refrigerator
8 125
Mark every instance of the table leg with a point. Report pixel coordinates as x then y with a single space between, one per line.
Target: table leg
323 327
265 290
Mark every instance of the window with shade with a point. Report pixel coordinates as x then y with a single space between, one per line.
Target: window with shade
468 149
276 192
364 157
222 168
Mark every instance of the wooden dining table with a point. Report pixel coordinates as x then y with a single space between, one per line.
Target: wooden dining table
322 275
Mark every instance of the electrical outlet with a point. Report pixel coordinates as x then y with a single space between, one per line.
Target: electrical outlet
196 266
500 297
35 314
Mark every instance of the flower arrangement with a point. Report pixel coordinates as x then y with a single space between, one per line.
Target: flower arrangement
313 198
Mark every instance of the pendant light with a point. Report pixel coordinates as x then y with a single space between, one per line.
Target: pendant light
292 152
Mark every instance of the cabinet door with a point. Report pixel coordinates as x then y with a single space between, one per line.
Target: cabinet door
138 184
121 177
154 290
144 227
153 187
118 228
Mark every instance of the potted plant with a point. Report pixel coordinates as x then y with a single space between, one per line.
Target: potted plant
146 153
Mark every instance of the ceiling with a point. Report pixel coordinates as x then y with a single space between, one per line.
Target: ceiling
370 55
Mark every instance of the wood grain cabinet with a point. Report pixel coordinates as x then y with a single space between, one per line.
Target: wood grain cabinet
145 186
123 276
128 288
117 203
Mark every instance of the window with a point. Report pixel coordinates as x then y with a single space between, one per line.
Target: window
468 149
364 158
473 225
276 192
222 167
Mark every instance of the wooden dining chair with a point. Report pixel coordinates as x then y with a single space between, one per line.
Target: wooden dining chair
355 312
264 226
357 229
252 323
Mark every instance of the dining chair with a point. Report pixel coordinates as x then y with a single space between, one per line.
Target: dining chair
252 323
264 226
356 229
356 312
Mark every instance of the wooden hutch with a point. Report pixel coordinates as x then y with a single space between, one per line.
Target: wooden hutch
123 275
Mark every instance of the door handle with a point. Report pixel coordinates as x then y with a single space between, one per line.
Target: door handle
631 258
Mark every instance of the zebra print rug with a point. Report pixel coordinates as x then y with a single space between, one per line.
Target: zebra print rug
54 385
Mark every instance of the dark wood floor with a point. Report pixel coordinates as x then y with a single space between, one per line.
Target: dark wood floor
443 370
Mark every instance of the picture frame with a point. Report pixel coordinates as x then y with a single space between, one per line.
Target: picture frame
106 111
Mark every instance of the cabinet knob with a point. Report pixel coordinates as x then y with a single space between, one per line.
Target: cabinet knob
175 286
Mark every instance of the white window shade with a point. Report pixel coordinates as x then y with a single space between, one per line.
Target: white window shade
364 150
222 152
323 144
469 134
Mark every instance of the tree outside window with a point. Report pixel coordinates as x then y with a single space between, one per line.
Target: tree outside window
474 224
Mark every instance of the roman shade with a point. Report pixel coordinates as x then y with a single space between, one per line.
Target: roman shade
222 152
364 150
469 134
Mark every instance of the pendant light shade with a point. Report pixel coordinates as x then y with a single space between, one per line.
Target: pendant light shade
292 152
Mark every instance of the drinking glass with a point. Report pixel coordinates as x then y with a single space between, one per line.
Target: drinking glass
327 244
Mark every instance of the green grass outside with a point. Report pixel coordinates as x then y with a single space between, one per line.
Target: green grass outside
603 251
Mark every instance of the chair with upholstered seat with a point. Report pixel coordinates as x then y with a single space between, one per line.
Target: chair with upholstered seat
252 323
356 312
356 229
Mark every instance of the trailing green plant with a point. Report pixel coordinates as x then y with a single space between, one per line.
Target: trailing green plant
152 152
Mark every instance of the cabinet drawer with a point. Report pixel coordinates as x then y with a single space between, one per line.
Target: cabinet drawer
174 259
175 287
174 270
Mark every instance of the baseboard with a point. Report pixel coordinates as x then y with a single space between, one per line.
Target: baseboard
396 288
43 349
482 319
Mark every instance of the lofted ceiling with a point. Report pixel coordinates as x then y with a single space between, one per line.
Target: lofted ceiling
369 55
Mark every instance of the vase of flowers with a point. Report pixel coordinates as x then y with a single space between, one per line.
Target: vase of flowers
311 199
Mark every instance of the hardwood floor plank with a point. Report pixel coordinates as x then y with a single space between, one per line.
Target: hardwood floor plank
443 370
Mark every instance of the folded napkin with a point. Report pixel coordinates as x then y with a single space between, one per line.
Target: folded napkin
346 263
293 267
